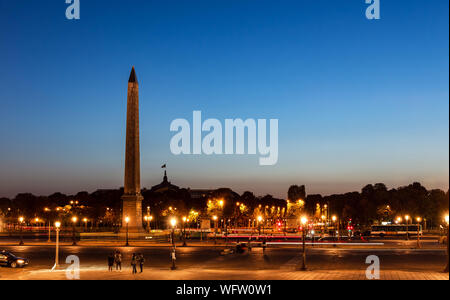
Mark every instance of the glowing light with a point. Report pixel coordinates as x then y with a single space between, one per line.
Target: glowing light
304 220
57 224
173 222
334 218
21 219
127 220
74 219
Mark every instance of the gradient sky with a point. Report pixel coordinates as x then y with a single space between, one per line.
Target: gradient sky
358 101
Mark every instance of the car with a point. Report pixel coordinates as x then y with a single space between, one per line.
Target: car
226 252
7 259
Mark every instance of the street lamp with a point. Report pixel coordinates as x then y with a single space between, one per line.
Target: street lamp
57 225
173 223
334 219
147 220
446 221
85 220
127 220
74 238
419 220
21 219
184 231
47 210
260 218
215 229
304 221
407 230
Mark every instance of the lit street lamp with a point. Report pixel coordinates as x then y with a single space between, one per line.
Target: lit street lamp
304 222
85 220
173 222
127 220
184 231
407 229
57 225
74 237
334 218
446 220
47 210
21 219
419 220
260 218
215 229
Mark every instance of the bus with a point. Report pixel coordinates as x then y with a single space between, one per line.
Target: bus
395 230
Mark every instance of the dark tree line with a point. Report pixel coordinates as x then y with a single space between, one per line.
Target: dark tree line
374 203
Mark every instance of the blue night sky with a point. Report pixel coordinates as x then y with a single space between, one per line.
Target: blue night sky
358 101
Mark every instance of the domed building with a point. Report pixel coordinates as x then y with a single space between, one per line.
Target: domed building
164 186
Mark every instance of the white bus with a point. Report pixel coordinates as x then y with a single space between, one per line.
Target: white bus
395 230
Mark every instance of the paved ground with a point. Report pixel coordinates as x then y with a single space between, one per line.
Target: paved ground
205 263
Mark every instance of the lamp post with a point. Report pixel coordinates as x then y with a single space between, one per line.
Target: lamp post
49 231
47 210
85 220
260 218
418 219
304 222
173 223
407 231
57 226
215 229
184 231
21 219
446 220
127 220
334 218
74 237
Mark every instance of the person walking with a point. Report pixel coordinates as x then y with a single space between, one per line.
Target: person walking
134 263
141 261
118 260
110 262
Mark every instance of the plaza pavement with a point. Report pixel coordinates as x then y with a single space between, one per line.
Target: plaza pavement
100 273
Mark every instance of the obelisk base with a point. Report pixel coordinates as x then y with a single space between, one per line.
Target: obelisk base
132 208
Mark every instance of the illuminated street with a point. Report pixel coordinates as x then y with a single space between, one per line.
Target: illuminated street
204 263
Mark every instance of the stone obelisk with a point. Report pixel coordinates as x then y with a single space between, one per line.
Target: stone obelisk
132 198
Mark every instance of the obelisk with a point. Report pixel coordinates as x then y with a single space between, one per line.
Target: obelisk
132 198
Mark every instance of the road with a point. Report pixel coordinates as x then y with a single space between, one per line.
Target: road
206 263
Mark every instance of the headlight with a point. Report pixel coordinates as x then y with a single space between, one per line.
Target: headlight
20 261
